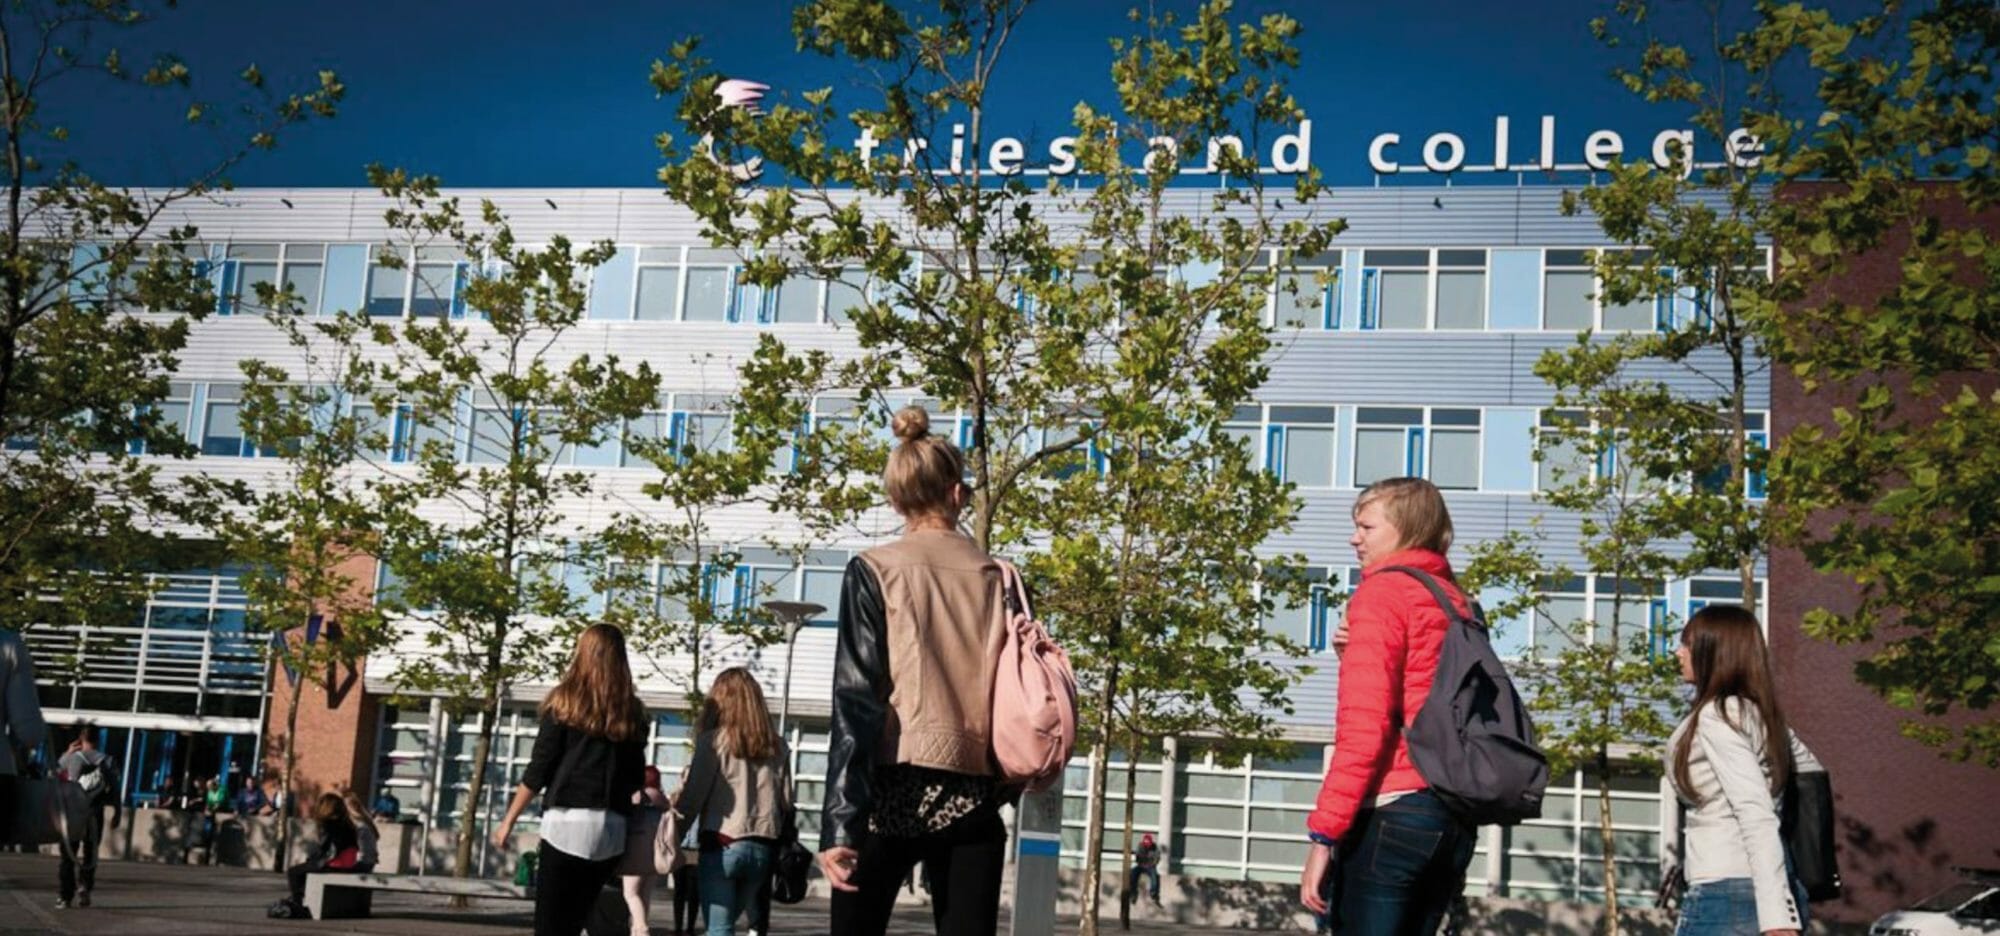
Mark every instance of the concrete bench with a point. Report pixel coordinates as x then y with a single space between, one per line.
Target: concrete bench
340 896
334 896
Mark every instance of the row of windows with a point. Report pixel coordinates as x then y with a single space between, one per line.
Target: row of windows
1575 609
758 576
1442 289
1315 447
1219 821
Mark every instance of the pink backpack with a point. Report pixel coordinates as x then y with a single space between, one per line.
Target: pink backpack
1034 697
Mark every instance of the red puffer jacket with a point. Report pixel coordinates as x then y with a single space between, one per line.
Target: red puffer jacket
1394 630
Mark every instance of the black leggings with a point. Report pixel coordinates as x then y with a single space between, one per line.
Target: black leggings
963 865
566 888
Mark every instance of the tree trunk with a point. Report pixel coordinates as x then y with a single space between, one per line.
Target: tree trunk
482 754
1606 839
1125 866
1093 837
291 765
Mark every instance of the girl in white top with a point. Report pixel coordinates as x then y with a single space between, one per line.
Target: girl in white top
1731 760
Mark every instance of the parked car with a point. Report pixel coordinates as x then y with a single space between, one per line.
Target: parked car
1969 908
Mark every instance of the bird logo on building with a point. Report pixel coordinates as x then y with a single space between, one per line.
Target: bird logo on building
738 92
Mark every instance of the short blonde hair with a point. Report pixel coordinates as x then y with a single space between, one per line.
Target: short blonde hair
1416 508
924 470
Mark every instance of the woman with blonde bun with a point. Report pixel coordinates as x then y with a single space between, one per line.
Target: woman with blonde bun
910 775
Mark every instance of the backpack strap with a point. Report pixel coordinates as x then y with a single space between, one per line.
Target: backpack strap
1016 591
1437 591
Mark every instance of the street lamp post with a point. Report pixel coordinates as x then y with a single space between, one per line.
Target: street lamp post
793 615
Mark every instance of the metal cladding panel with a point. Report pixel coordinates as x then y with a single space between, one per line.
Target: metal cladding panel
1408 368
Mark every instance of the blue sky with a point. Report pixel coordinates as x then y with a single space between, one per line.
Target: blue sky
512 93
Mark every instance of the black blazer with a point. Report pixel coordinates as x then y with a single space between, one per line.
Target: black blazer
595 772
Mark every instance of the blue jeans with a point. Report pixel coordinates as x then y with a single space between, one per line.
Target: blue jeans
1728 907
1146 871
730 877
1400 868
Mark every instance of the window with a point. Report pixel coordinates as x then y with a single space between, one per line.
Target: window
1714 589
658 280
1244 428
644 433
431 284
1569 290
222 422
702 421
1395 289
293 270
1564 460
176 412
388 290
796 302
1299 444
1557 856
412 438
1573 296
1303 620
438 279
1308 295
846 295
1437 443
1599 608
711 294
1461 290
1756 442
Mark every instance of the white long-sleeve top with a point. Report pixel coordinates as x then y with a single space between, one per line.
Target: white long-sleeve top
1731 828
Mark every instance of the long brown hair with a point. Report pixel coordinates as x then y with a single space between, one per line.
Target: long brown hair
736 712
332 808
596 695
1726 646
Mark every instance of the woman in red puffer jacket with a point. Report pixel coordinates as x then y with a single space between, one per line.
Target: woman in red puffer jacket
1396 854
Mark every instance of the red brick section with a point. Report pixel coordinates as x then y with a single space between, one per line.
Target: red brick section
1906 816
336 722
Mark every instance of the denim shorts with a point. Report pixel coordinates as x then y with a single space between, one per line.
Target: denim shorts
1727 908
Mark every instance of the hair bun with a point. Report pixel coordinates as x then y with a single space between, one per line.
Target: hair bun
911 423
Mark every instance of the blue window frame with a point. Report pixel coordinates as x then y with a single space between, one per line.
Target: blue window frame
1305 622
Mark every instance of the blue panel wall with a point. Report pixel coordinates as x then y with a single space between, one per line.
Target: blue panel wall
1515 290
1507 450
1350 291
611 287
346 286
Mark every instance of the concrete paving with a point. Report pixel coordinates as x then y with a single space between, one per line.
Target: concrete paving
144 899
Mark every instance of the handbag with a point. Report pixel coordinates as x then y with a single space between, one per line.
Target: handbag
48 812
793 864
1807 826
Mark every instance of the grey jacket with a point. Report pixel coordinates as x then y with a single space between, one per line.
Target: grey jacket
1732 817
738 798
20 709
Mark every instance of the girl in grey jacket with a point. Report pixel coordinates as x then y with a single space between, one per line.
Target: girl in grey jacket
1731 759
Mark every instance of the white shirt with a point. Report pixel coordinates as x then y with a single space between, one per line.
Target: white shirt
1733 831
590 834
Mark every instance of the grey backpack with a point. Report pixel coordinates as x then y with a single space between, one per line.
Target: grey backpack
1472 740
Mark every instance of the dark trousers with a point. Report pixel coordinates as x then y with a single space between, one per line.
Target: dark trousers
963 864
687 896
9 785
566 888
1149 872
82 872
1401 867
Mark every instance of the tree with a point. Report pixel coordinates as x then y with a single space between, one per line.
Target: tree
1873 137
96 293
970 296
477 535
767 446
1897 492
313 518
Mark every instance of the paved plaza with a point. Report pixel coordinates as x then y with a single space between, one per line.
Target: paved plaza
144 899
